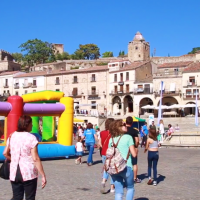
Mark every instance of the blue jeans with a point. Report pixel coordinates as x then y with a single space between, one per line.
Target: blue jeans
90 148
153 157
105 174
127 176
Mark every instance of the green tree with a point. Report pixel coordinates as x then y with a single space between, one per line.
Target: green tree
77 55
121 53
63 56
194 50
107 54
37 52
88 51
18 57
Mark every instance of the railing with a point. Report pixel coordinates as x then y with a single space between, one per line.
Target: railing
190 84
168 93
16 86
121 92
26 85
57 82
6 86
74 94
190 96
93 79
34 86
167 74
93 93
75 81
143 91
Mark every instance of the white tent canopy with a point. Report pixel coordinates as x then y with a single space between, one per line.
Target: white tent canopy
148 107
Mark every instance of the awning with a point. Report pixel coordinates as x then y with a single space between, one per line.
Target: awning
172 87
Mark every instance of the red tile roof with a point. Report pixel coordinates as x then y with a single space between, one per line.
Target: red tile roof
194 67
175 64
57 72
9 73
36 73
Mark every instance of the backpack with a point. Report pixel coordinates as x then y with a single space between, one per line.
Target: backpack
114 162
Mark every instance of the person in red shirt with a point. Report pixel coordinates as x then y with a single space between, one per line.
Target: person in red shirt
103 143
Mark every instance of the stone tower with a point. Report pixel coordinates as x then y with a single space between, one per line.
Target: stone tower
138 49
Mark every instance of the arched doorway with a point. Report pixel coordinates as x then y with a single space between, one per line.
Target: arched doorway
117 105
169 101
128 104
144 102
190 110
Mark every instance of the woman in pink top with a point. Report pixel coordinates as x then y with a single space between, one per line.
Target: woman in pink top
25 163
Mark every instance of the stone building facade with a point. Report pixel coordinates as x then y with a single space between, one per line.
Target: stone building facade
7 62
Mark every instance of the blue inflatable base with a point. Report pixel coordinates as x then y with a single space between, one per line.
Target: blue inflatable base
49 151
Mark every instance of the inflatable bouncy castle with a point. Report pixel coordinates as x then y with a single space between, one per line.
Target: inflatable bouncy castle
42 106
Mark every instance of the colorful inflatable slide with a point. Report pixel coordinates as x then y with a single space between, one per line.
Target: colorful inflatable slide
45 105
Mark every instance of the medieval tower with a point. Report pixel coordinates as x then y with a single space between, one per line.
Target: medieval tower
138 49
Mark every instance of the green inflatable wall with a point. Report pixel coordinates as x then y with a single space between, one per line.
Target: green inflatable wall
48 128
35 127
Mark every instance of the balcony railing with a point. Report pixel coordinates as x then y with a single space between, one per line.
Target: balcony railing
143 91
191 84
57 82
190 96
93 93
122 92
93 79
166 74
76 94
16 86
6 86
34 86
26 85
121 83
168 93
75 81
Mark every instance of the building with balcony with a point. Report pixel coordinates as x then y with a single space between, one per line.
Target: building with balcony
29 82
7 83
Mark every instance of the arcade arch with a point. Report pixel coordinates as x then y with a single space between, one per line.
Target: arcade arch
143 102
116 105
128 104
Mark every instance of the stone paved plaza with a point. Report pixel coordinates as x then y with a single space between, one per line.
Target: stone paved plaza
178 169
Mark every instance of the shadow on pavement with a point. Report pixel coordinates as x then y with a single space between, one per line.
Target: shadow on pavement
160 178
142 198
143 176
84 189
97 162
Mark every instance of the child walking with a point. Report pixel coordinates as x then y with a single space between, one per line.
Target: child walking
79 150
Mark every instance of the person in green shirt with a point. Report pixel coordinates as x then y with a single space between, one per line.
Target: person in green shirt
118 129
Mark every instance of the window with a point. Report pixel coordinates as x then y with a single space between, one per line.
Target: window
196 91
6 82
16 93
75 91
115 89
140 86
192 80
26 91
176 71
127 88
139 55
93 78
136 48
121 88
57 81
121 76
115 77
75 79
166 71
93 90
147 88
127 76
93 105
34 90
57 89
34 82
188 92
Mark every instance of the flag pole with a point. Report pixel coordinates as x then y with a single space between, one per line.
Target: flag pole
196 112
160 106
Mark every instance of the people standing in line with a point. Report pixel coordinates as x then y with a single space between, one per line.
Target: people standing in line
145 133
153 156
79 151
134 134
25 164
161 131
103 143
125 145
90 137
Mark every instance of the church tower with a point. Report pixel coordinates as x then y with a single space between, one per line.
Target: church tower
138 49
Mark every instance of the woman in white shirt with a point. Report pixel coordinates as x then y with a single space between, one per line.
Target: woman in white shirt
162 130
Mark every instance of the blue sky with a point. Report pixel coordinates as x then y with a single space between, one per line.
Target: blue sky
170 26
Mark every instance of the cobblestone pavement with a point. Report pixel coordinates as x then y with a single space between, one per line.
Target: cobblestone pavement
178 171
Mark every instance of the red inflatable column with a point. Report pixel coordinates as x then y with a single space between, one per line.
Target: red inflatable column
14 114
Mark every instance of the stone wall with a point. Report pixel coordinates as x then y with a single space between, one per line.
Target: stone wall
143 72
4 55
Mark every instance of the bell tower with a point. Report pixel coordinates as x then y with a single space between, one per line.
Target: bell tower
138 49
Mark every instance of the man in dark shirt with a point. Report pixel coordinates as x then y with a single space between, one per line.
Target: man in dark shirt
152 126
134 133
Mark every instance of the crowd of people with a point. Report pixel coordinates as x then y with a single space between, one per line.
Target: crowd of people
118 146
